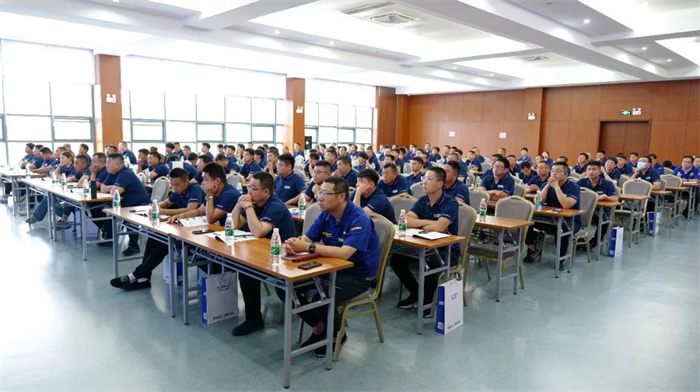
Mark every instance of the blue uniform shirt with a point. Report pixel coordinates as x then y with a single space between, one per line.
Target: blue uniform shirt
378 203
581 169
446 207
478 161
37 161
134 193
69 171
506 184
351 178
435 157
626 170
458 189
524 159
48 163
226 200
180 154
414 179
355 229
289 187
249 168
144 166
275 213
102 175
537 180
570 190
232 160
400 185
659 168
651 175
199 177
193 194
603 187
299 153
191 170
615 175
128 154
310 192
375 162
463 169
160 169
360 167
525 178
209 154
692 174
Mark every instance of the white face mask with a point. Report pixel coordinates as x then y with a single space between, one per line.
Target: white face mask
641 165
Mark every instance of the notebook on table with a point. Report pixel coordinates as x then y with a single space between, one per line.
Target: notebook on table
298 257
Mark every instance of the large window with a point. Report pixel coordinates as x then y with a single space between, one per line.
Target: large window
225 109
46 97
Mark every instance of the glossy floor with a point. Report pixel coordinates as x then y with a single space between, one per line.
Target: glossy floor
628 324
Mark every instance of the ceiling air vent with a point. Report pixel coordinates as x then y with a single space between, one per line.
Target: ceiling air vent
536 58
393 18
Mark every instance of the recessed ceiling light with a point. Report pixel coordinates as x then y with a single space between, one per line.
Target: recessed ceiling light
277 32
115 1
586 21
491 75
331 43
644 48
454 67
669 60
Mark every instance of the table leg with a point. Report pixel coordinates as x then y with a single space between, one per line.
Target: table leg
658 216
173 275
691 202
26 192
288 334
601 219
558 241
52 223
640 212
572 227
185 287
421 288
83 235
15 195
115 241
500 265
329 324
631 224
517 261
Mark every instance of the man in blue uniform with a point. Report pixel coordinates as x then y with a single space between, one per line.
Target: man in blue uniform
249 166
288 185
416 175
345 170
392 184
558 192
526 173
538 180
205 150
259 212
220 197
321 171
523 156
453 187
155 168
623 167
371 199
581 164
499 183
606 191
126 153
185 197
345 232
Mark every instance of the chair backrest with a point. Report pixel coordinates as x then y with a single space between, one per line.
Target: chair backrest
313 211
301 173
402 203
475 197
472 177
485 166
663 184
234 179
587 205
385 231
161 188
623 178
417 190
519 190
515 207
668 171
299 160
573 179
142 177
574 175
467 219
637 187
672 180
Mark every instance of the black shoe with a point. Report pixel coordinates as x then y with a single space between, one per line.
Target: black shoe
593 244
246 328
106 244
120 281
314 339
531 256
409 303
321 351
137 285
562 265
132 250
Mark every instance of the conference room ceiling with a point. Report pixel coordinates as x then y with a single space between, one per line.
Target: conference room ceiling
417 46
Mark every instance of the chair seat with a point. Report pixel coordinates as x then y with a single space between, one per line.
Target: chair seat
365 295
489 253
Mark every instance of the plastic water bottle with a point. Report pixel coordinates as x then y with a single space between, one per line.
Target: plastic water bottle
239 188
86 189
403 224
116 202
302 206
468 181
229 235
538 201
482 210
27 173
53 179
64 182
275 248
155 213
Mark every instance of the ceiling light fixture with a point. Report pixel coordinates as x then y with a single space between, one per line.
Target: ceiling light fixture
586 21
277 32
491 75
644 48
454 67
115 1
669 60
331 43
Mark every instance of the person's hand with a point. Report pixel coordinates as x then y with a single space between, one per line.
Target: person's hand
299 245
553 182
173 218
208 187
245 201
637 170
289 245
584 175
93 169
361 189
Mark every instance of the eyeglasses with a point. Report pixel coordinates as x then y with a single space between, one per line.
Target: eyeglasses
320 172
499 167
426 179
252 189
324 194
558 171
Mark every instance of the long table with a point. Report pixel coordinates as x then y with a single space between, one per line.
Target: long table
251 258
72 196
14 178
692 195
659 200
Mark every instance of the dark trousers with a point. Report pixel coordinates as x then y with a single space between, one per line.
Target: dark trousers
401 266
250 287
153 255
603 230
531 237
8 188
347 286
106 225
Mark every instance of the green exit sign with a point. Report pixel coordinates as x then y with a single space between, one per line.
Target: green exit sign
625 113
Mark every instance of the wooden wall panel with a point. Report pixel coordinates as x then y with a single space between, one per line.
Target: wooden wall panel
665 137
494 105
403 110
515 105
386 129
610 111
556 104
692 140
489 137
670 101
473 107
435 108
515 137
630 92
585 103
583 137
555 137
533 104
471 135
693 100
294 127
454 108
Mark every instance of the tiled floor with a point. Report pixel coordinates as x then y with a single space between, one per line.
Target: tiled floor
629 324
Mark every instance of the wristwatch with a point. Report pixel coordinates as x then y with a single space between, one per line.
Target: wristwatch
312 248
209 197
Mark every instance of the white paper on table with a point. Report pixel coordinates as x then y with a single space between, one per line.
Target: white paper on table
196 221
238 236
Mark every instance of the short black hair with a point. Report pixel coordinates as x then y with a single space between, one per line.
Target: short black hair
602 151
176 143
221 157
207 145
504 161
524 148
46 150
170 145
287 159
498 156
144 151
592 163
331 152
30 145
635 154
566 160
652 155
585 155
116 156
419 160
689 157
99 156
314 155
346 160
266 181
273 151
259 153
525 165
391 166
668 164
369 174
85 147
512 156
39 146
440 174
340 186
250 151
215 171
324 164
220 145
566 167
206 159
156 154
179 173
454 165
192 156
363 154
173 158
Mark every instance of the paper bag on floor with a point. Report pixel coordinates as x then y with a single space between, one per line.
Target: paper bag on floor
450 314
616 242
219 297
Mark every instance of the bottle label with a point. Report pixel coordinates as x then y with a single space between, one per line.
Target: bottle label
275 250
402 226
229 232
115 204
155 215
302 207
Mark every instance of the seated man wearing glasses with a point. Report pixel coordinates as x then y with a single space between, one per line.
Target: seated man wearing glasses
499 183
343 231
321 171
